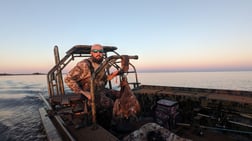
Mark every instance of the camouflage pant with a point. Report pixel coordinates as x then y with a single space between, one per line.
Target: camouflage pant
104 101
105 98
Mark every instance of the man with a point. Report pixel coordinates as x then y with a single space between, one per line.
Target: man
79 78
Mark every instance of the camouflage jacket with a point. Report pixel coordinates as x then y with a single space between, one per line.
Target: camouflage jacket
79 77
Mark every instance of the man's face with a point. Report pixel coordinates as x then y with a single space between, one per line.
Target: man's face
97 54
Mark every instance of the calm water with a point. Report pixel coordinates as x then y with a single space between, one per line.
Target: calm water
220 80
19 104
19 99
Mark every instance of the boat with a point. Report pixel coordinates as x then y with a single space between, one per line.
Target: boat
167 112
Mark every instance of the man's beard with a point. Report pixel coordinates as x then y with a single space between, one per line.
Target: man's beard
98 61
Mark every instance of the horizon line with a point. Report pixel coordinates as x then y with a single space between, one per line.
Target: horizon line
139 71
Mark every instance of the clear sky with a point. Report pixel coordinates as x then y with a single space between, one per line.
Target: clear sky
171 35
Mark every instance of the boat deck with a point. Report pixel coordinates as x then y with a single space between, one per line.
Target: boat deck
229 100
196 93
90 133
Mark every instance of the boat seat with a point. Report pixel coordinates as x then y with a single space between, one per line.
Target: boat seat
66 99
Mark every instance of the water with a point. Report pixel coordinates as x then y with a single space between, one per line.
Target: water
237 80
19 99
19 104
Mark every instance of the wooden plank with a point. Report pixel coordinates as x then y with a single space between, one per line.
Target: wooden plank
50 129
90 134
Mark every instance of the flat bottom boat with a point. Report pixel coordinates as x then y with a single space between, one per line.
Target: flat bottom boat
167 113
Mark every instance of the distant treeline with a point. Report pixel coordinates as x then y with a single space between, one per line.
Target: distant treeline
36 73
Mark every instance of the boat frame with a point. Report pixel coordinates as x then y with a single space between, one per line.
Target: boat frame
219 108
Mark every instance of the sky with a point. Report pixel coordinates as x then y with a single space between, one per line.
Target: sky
167 35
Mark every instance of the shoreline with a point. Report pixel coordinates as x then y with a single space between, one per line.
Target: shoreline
10 74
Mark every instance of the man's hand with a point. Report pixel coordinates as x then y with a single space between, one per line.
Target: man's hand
86 94
112 75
